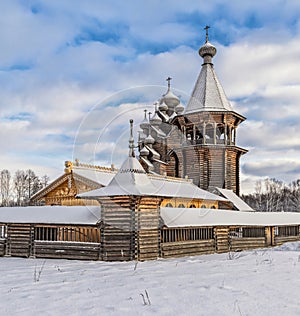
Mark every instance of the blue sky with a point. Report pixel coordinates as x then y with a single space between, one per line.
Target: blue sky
73 72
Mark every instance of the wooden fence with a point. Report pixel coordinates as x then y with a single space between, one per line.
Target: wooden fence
85 242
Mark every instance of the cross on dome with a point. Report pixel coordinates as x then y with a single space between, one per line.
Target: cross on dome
207 27
169 82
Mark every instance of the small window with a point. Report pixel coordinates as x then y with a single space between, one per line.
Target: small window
169 205
213 207
181 205
203 206
192 206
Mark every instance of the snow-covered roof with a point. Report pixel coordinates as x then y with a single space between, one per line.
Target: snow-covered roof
184 217
100 176
208 94
85 215
235 200
132 179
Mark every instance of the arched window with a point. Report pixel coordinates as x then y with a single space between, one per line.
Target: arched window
192 206
181 205
203 206
213 207
173 166
169 205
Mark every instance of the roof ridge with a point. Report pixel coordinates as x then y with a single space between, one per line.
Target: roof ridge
85 166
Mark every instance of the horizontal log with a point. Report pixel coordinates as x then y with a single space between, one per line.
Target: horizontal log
67 256
187 252
281 240
190 242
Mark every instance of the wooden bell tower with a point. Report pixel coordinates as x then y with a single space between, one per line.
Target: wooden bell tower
200 141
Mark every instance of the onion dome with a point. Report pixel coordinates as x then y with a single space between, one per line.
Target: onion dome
162 106
144 152
207 51
179 108
149 140
155 119
170 99
145 124
142 136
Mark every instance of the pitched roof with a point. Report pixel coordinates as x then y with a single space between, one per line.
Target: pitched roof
208 93
236 201
132 179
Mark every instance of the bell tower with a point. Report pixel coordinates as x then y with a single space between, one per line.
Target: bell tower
201 141
211 131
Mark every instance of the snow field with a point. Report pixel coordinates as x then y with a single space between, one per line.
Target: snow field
259 282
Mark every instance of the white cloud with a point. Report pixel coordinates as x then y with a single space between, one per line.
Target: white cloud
257 63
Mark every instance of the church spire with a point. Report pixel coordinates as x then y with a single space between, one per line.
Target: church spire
208 94
131 140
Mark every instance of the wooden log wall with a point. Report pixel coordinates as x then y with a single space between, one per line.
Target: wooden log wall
19 240
244 243
286 234
118 233
2 246
179 242
147 229
222 239
142 238
66 250
187 248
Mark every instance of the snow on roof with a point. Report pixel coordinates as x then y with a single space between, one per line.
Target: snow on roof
208 93
100 176
85 215
132 179
236 201
184 217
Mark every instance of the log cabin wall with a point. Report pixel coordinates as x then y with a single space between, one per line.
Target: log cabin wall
284 234
180 242
118 233
243 238
19 240
3 238
147 228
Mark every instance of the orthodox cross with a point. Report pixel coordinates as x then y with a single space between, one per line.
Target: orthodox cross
206 30
169 82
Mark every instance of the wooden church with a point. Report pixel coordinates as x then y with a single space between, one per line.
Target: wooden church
198 142
178 197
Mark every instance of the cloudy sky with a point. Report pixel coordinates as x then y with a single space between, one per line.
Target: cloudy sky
73 72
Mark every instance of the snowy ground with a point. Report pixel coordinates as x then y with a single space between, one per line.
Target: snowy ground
261 282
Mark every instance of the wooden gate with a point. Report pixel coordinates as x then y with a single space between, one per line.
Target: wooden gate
19 240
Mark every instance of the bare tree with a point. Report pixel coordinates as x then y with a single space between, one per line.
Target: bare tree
20 187
44 180
5 185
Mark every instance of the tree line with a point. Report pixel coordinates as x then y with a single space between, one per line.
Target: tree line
272 195
17 189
